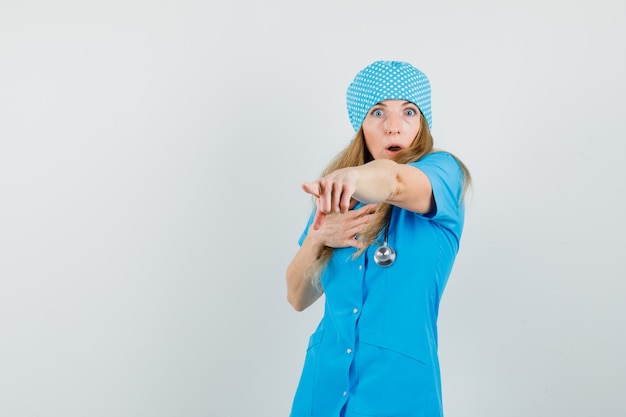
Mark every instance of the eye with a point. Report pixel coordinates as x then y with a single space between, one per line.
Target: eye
410 112
377 113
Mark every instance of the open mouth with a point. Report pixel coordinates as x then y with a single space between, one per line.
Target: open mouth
394 148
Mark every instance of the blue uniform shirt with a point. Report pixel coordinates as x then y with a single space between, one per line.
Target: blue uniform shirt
374 352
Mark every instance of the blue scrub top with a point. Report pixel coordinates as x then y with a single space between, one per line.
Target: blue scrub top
374 352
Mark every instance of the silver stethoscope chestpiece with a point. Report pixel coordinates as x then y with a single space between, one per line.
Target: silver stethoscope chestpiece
384 255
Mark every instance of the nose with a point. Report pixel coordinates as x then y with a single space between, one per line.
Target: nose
393 124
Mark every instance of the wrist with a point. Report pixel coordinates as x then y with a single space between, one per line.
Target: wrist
314 242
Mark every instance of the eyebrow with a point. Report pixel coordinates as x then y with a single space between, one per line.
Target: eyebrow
380 103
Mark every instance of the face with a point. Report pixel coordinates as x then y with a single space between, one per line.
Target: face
390 126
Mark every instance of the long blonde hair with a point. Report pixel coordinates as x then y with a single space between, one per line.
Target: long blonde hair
355 154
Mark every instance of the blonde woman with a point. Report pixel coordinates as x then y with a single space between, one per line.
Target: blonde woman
380 245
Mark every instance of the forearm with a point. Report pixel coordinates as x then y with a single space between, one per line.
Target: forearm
376 181
301 293
385 181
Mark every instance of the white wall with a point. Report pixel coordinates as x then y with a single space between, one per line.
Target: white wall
151 154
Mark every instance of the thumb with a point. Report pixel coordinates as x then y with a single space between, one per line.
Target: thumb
319 219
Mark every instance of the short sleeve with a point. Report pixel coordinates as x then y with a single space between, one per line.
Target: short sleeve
306 229
446 178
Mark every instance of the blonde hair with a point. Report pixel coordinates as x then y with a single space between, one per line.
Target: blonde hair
355 154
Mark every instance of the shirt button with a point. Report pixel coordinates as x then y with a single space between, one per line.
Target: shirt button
348 351
360 267
355 310
345 393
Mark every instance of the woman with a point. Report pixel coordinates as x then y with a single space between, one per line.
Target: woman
380 245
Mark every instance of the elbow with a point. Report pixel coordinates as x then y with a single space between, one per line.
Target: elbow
295 289
296 303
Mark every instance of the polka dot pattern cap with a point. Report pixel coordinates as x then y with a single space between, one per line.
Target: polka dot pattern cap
387 80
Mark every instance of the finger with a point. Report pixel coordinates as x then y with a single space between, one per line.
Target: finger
344 203
319 219
335 201
358 226
371 207
355 243
325 200
312 188
366 209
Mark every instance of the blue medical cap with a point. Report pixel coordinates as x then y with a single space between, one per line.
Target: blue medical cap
387 80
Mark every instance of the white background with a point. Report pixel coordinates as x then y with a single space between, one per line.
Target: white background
151 157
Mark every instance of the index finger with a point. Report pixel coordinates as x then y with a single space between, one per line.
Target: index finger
312 188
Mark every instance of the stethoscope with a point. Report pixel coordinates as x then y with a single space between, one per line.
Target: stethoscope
385 255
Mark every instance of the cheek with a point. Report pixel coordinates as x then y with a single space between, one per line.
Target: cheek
372 140
412 134
369 145
416 127
367 129
368 134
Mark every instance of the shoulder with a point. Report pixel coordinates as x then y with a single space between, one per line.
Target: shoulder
437 158
447 180
442 165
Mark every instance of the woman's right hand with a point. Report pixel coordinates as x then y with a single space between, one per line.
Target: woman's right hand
339 230
336 230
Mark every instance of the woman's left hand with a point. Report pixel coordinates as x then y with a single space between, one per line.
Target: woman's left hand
334 191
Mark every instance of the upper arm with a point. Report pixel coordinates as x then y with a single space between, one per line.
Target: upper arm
432 186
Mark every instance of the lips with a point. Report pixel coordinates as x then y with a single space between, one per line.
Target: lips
393 148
